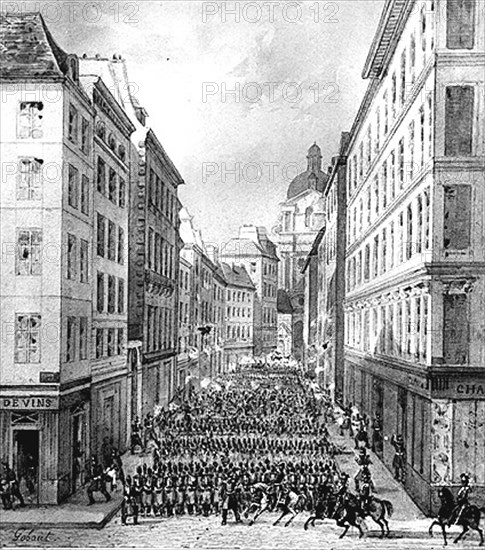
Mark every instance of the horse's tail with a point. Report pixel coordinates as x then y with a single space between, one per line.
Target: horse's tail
388 507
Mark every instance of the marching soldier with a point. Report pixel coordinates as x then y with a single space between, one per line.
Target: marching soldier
128 505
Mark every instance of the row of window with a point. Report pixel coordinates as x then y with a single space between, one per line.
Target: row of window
403 237
109 342
161 254
109 139
395 172
384 116
110 184
269 316
269 290
110 294
110 240
160 197
28 339
238 332
238 311
398 329
269 268
238 296
160 329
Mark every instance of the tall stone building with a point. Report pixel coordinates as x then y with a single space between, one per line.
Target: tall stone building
64 270
415 253
301 216
239 311
111 146
257 254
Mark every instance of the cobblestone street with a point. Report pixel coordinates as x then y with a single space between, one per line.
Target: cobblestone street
200 532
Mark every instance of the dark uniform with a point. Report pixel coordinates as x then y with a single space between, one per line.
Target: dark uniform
363 460
128 505
399 460
96 481
461 499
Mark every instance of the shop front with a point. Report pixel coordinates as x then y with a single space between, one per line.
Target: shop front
29 436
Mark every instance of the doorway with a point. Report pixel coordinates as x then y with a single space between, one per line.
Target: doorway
26 463
78 447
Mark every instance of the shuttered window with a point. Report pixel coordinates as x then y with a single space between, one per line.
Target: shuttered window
459 121
460 24
455 329
457 217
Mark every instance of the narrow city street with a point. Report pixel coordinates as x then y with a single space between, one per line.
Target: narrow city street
175 533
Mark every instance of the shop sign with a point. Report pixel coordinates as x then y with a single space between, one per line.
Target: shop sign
472 389
29 403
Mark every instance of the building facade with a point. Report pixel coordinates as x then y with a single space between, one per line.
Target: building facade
415 253
111 146
239 311
63 394
330 279
301 217
257 254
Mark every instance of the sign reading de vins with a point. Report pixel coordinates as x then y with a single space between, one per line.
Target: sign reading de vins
29 403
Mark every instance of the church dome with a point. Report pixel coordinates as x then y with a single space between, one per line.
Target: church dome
312 178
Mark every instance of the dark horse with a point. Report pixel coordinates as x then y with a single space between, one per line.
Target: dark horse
324 506
350 513
469 518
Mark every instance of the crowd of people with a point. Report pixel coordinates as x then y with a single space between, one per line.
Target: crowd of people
216 447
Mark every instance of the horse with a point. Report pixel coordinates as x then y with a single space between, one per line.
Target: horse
468 519
350 512
324 506
259 502
289 503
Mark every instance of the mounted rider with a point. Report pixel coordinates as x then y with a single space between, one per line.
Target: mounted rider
363 461
365 490
462 499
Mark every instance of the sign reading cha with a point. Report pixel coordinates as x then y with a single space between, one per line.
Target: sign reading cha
29 403
471 389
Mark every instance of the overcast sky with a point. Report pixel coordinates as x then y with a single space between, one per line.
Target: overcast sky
294 67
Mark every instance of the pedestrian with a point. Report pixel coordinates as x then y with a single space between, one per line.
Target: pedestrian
97 481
